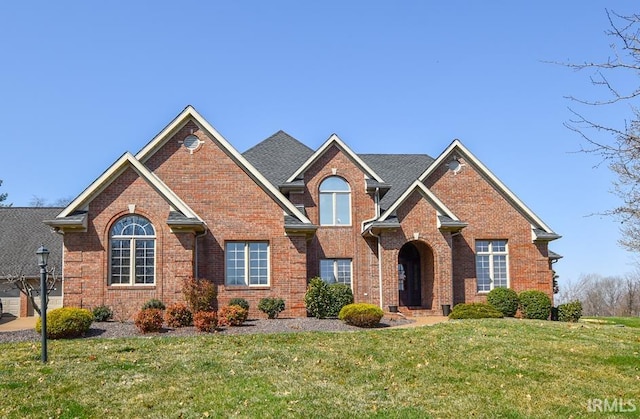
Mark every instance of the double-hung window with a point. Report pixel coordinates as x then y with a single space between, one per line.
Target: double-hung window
335 202
247 263
491 264
133 242
336 271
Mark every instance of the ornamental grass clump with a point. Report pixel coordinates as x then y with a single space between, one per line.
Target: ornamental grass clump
149 320
361 314
206 321
66 322
505 300
535 305
475 311
178 315
272 307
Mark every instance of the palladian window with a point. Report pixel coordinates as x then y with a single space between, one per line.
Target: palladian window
335 202
133 244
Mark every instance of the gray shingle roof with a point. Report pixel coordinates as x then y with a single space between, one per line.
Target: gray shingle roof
21 233
278 157
397 170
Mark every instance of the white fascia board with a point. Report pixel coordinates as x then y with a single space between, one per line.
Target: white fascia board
190 113
334 139
113 172
457 147
439 206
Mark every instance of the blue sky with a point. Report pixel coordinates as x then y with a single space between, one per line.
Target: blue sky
83 82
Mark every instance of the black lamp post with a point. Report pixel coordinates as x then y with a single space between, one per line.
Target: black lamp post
43 257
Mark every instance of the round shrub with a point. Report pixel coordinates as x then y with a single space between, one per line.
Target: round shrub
149 320
361 314
318 298
475 311
154 303
535 305
200 294
570 312
102 314
66 322
205 321
340 295
505 300
271 306
178 315
239 302
232 316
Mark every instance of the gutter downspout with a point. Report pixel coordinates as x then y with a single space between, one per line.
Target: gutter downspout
377 236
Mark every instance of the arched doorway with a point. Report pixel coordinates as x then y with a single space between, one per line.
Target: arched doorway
409 276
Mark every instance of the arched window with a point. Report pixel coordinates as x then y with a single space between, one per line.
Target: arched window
335 202
133 256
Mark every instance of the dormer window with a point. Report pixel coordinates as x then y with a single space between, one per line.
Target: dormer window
335 202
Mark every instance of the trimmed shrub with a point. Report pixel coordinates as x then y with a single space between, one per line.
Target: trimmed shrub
505 300
239 302
178 315
570 312
341 295
535 305
66 322
102 314
154 303
361 314
271 306
149 320
318 299
232 316
475 311
200 294
205 321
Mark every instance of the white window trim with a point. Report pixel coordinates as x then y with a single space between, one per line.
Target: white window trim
247 266
491 254
132 256
335 269
334 207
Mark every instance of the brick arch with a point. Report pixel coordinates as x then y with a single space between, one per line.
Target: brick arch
426 264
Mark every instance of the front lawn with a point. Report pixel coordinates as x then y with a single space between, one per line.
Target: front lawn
482 368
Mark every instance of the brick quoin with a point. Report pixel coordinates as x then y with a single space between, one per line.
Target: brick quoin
235 207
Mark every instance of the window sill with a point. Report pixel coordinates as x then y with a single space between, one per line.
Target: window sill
246 287
131 287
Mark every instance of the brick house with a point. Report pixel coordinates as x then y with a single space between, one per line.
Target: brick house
405 231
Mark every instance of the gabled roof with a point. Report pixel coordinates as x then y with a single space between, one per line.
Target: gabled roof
456 148
72 214
335 140
446 218
190 114
278 157
398 170
22 231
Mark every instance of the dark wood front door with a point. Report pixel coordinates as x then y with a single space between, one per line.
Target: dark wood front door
409 288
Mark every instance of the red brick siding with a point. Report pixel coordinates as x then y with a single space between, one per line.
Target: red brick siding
490 216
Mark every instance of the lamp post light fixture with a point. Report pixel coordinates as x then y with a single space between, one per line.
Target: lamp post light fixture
43 258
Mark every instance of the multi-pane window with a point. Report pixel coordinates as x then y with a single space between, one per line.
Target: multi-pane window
491 264
336 271
335 202
247 263
133 243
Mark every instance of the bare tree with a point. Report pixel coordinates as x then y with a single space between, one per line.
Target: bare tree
37 201
3 197
31 287
619 147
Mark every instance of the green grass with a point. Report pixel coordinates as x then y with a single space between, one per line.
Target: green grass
483 368
625 321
